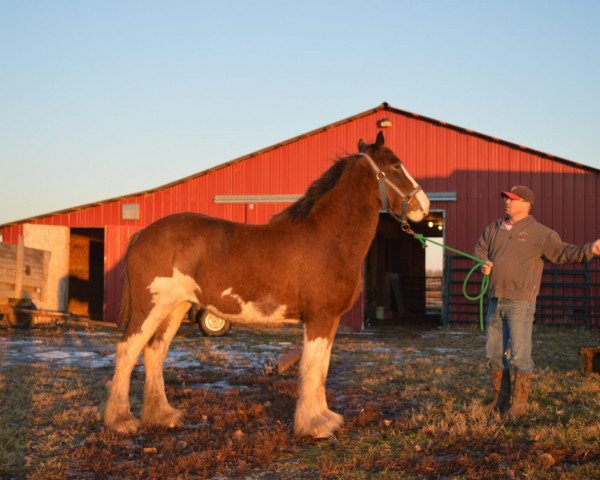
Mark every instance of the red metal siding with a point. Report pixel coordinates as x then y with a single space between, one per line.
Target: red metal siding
11 234
441 157
116 239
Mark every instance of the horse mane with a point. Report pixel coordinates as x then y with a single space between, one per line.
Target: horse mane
303 206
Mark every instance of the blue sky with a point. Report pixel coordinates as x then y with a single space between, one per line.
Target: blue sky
104 98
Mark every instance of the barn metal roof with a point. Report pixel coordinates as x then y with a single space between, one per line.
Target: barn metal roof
383 107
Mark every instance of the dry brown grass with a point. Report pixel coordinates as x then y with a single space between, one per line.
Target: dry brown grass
412 402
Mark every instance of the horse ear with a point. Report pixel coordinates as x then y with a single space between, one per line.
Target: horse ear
361 145
380 140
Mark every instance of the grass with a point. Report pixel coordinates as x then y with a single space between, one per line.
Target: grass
412 400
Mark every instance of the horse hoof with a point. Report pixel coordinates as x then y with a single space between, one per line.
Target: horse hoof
169 419
174 419
335 419
321 429
320 426
124 426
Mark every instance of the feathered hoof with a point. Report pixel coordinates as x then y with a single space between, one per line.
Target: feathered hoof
335 418
318 426
167 417
124 424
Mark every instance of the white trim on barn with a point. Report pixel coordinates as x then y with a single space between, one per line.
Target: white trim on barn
291 198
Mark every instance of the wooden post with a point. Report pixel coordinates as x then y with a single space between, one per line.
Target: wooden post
45 265
19 268
589 358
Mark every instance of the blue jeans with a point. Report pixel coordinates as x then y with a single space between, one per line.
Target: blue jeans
508 339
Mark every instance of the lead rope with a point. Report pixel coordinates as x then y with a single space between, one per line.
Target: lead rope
485 281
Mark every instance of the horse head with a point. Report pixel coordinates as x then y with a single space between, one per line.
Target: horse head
399 192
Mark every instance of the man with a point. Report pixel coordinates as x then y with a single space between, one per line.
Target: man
514 248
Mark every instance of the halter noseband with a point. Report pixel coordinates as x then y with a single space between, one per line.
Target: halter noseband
406 197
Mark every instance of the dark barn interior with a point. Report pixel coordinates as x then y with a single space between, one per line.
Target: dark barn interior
86 273
398 289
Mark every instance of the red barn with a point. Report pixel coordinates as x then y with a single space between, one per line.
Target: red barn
462 171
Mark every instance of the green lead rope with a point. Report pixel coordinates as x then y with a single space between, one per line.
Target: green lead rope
478 263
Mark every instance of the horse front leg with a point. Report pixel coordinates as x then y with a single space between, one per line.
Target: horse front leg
313 417
156 409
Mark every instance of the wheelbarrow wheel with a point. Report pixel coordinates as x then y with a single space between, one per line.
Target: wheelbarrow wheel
18 318
212 325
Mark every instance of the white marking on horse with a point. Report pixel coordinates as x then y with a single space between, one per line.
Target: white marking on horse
250 311
315 360
167 293
421 197
170 291
313 417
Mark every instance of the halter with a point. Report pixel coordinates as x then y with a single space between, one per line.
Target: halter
406 197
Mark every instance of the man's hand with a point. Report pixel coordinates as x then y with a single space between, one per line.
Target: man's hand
596 248
487 267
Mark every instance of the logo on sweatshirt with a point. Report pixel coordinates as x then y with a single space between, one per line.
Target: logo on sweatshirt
522 236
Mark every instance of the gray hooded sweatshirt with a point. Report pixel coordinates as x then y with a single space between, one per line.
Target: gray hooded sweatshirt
518 256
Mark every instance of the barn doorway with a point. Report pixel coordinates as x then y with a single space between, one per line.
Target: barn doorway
86 273
403 280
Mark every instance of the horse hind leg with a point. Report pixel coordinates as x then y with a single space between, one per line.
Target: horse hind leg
313 417
156 409
117 412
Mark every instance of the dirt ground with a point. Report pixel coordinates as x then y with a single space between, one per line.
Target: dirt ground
403 392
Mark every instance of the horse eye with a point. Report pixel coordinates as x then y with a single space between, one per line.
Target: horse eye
397 166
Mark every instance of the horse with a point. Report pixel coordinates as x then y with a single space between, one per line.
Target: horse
304 265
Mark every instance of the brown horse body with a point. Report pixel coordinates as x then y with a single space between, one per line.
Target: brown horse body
304 265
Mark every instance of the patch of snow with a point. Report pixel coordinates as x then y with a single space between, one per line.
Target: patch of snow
445 350
52 355
218 385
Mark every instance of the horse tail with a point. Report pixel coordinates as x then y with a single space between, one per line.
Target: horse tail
126 309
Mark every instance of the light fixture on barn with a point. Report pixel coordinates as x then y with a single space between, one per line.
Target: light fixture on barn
130 211
384 123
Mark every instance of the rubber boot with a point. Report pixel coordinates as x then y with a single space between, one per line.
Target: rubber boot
520 395
501 389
